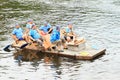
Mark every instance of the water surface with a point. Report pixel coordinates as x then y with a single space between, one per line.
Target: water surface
96 20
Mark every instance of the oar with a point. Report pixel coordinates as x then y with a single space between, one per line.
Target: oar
24 45
7 48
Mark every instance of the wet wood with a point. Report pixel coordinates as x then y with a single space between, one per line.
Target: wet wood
85 53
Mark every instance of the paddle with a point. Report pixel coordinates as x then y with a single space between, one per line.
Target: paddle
24 45
8 46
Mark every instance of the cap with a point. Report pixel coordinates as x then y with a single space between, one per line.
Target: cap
33 25
69 23
30 20
17 24
45 22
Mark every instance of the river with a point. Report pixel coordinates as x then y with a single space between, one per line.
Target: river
96 20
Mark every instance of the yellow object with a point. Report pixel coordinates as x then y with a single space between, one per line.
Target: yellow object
84 53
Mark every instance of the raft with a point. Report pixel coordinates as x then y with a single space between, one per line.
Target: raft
86 54
79 52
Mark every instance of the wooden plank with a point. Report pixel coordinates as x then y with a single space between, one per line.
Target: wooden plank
87 53
73 54
19 44
76 55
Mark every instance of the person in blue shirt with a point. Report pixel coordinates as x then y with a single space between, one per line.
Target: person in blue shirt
27 29
34 34
55 38
69 28
70 35
55 35
46 28
28 26
17 33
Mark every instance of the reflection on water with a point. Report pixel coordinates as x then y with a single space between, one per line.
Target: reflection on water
96 20
31 55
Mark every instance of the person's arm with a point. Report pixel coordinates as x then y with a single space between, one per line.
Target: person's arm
31 38
14 37
27 31
28 26
38 30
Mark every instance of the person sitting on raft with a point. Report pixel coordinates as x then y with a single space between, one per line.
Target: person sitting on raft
46 28
34 35
63 38
70 36
55 38
27 30
17 34
28 26
69 31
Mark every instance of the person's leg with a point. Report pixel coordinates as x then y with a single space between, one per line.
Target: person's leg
27 38
68 39
46 42
63 41
15 38
40 42
59 46
78 41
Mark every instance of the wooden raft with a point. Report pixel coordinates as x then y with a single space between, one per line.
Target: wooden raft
86 54
80 52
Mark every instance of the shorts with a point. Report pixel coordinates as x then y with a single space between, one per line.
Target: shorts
71 37
20 39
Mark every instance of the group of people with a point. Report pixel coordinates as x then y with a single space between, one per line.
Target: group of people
47 36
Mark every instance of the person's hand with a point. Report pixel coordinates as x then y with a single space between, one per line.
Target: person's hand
47 33
33 40
16 41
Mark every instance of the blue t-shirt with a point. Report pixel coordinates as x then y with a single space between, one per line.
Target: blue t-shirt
18 32
34 34
67 30
55 35
29 26
45 28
